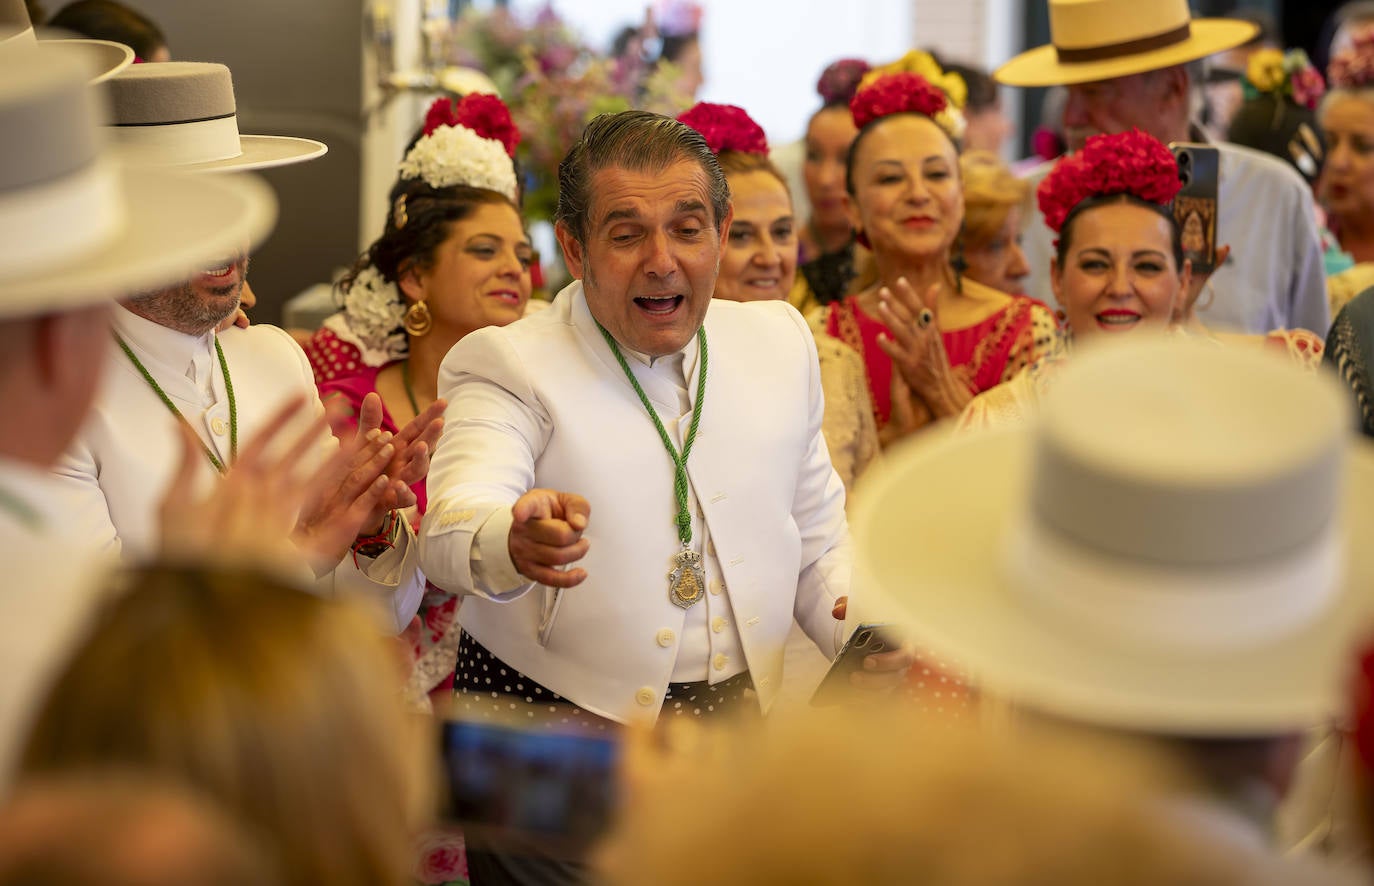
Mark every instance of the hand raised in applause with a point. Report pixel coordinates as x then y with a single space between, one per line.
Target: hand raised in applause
409 462
253 515
546 533
917 349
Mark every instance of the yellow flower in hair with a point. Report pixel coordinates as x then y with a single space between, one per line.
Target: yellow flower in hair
919 62
1265 70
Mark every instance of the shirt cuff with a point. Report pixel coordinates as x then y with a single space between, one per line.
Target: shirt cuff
492 568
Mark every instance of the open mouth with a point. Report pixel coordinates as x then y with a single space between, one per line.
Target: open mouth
1117 321
764 284
507 296
219 273
658 305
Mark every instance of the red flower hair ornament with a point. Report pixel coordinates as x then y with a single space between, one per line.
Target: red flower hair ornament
899 93
1126 163
485 115
726 128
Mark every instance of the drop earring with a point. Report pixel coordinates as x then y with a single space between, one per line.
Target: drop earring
418 321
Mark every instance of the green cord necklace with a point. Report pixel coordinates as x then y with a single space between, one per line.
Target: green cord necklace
686 582
167 401
405 383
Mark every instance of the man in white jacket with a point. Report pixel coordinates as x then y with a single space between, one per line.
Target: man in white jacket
667 443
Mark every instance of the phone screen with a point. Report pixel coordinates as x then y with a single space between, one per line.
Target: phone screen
556 787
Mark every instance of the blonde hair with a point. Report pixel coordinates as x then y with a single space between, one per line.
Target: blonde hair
887 797
742 163
991 192
281 707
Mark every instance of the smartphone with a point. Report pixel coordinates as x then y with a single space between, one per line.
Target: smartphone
1195 207
867 639
538 784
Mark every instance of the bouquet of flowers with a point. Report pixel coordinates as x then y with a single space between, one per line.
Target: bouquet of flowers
1285 74
554 85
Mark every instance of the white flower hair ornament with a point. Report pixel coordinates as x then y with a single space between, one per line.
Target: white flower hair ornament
470 142
372 319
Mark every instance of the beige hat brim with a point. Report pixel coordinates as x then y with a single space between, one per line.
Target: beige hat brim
929 526
1041 66
177 224
265 152
102 58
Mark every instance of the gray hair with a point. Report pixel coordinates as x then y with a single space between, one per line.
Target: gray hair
635 140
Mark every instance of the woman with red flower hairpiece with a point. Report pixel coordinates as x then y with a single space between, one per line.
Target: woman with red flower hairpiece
453 257
759 262
1119 263
931 340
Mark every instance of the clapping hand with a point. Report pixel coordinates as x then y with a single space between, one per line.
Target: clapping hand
547 533
254 514
409 461
917 349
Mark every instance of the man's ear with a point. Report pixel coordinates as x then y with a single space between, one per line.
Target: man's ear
724 231
572 249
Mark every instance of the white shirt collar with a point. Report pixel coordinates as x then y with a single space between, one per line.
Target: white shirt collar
176 353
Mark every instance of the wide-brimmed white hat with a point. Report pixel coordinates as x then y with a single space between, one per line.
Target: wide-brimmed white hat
76 227
1104 39
1177 545
100 59
183 114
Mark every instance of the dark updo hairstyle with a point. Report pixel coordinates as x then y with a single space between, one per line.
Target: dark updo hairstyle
419 219
1164 212
108 20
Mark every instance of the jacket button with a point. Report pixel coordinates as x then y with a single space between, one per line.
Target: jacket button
218 426
715 586
718 624
645 696
719 661
666 637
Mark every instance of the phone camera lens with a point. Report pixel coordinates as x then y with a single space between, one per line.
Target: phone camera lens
863 638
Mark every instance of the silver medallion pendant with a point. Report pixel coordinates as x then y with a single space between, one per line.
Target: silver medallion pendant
686 583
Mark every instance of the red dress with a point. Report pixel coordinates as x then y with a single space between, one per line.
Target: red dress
983 355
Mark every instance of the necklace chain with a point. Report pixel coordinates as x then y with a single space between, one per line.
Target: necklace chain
684 513
167 401
405 383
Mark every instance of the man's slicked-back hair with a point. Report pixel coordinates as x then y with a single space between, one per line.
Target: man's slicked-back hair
639 141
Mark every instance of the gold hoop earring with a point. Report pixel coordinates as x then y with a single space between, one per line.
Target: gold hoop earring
418 320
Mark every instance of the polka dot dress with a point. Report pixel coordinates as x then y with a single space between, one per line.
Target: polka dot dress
485 687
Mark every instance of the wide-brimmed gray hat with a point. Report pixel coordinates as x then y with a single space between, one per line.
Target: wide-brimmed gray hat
1177 545
101 59
183 114
76 226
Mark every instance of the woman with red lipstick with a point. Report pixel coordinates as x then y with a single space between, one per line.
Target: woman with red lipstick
947 337
759 262
1119 263
453 257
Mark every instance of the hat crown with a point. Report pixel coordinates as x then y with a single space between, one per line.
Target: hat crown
14 15
50 120
1241 467
171 92
1088 24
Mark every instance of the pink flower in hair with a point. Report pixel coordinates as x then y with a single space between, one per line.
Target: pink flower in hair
726 128
1125 163
899 93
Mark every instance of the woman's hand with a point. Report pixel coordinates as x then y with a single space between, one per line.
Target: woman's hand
1185 314
918 351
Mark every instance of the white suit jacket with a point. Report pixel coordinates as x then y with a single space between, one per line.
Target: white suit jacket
543 403
113 477
53 587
